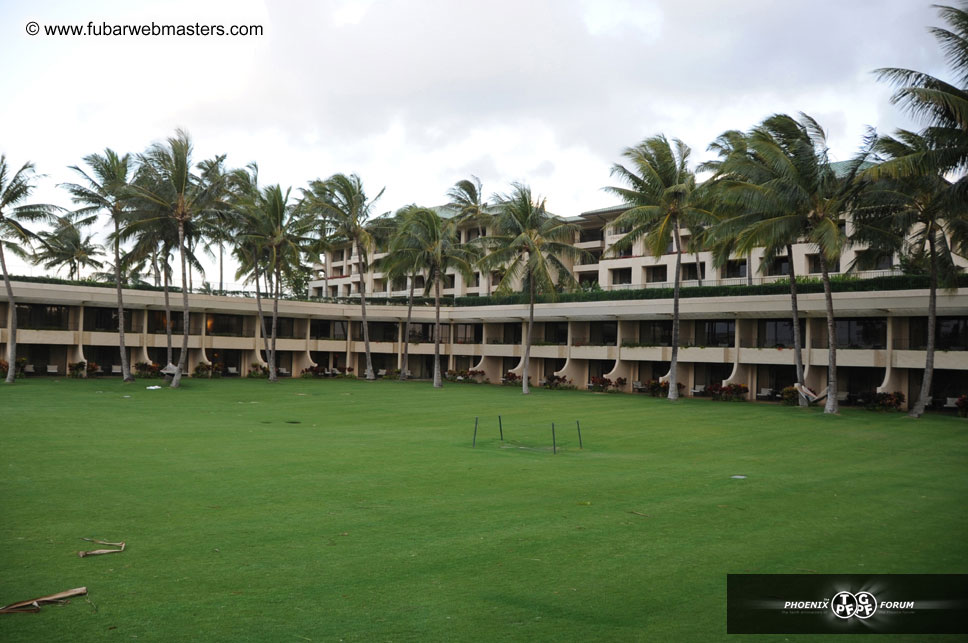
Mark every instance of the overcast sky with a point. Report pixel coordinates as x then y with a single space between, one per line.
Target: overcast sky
417 94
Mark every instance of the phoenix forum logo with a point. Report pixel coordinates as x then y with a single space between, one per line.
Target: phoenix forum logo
860 605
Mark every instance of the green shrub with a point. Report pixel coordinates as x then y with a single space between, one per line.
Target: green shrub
789 396
886 401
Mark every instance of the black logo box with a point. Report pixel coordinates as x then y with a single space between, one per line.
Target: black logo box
794 603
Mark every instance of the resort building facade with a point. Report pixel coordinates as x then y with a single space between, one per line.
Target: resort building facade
743 339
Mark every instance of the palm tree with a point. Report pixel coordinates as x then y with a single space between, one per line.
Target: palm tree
280 234
467 199
67 245
397 265
789 189
529 244
738 173
15 236
155 240
244 197
943 105
914 215
106 187
343 208
168 188
663 199
425 242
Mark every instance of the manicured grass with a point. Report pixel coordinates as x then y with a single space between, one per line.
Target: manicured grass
345 510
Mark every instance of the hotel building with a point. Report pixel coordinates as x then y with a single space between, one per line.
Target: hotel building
744 338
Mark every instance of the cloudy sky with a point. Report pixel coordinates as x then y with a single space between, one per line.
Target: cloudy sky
417 94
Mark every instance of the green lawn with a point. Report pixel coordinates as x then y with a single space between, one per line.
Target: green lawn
345 510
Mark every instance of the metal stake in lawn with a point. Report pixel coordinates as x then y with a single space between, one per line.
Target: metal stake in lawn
500 427
578 424
554 446
474 443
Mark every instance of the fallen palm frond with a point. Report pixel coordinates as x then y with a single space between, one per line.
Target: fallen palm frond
33 605
98 552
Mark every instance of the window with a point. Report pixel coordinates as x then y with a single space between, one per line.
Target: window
105 320
225 325
587 279
715 332
40 317
469 333
620 229
689 272
590 234
656 274
449 281
779 266
512 333
864 332
655 333
593 257
556 333
951 333
602 333
736 268
381 331
813 264
156 321
621 276
778 333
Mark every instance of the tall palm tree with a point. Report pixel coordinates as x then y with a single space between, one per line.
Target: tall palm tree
790 190
15 236
106 187
529 245
244 195
430 244
280 233
169 188
943 105
662 196
395 265
915 215
67 245
343 208
155 240
739 173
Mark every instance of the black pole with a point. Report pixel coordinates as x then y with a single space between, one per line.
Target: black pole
578 424
500 427
554 446
474 443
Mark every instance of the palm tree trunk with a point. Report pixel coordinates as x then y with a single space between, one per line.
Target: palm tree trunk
749 269
797 340
366 328
406 334
924 397
258 305
525 387
221 267
831 405
167 323
273 371
674 360
156 274
12 333
183 355
437 379
125 368
698 269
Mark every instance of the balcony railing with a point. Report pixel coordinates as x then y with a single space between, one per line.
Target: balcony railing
905 344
